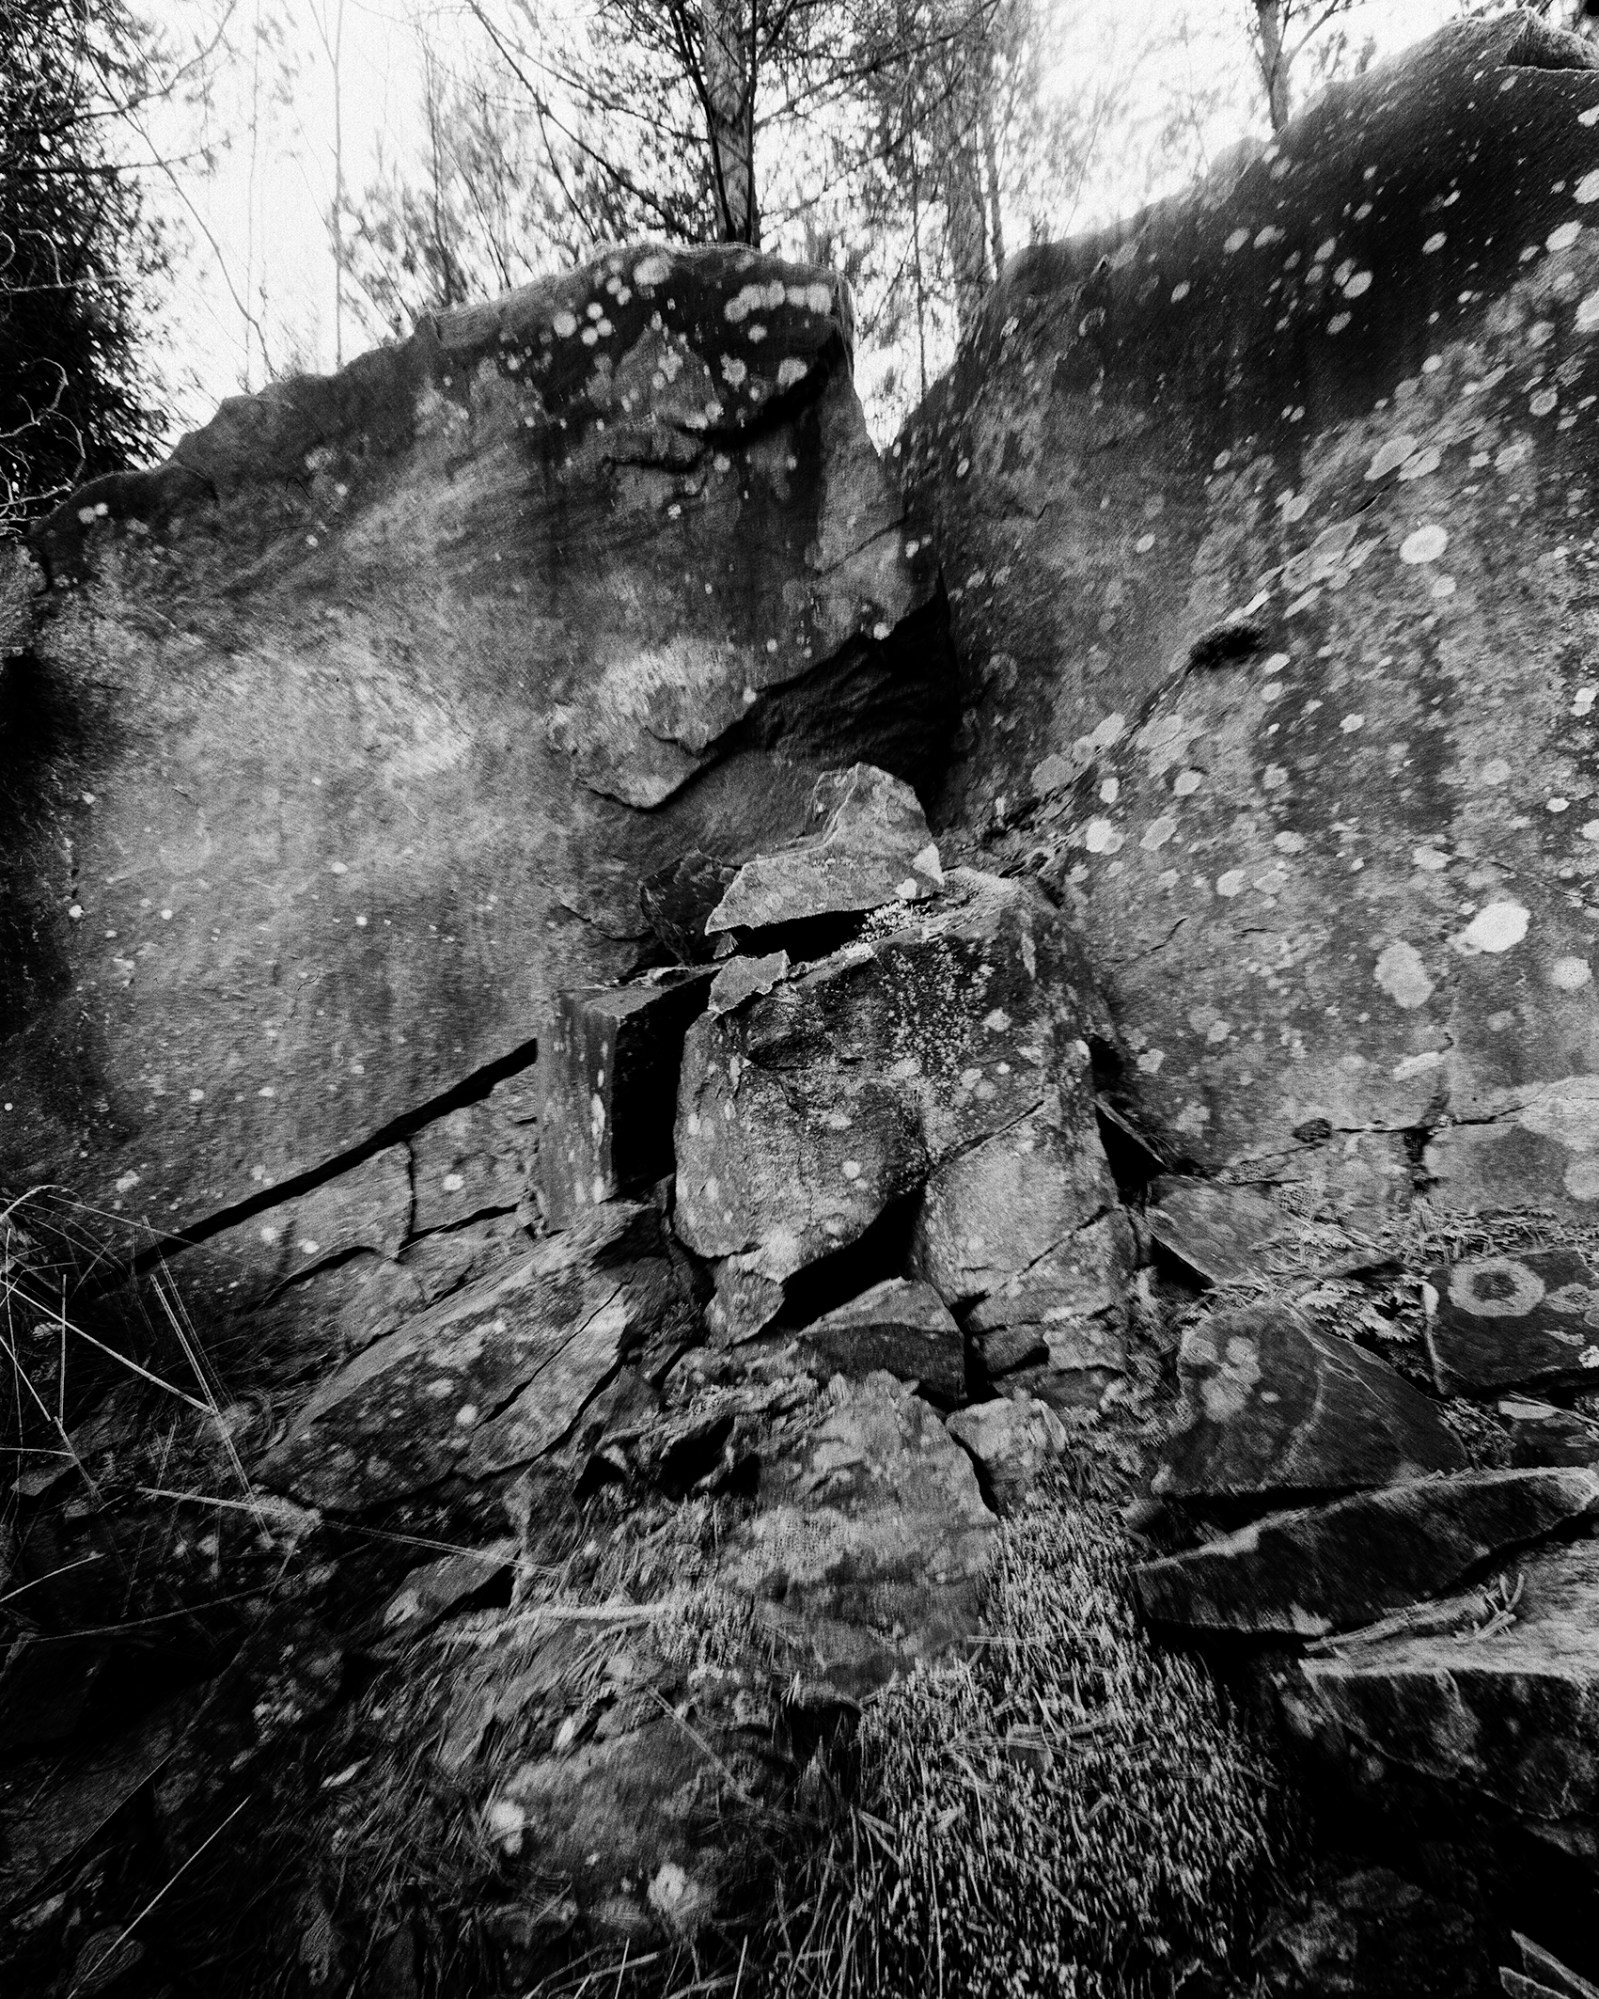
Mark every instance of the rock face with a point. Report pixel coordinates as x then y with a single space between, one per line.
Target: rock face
347 735
1510 1710
1271 1404
1014 1440
1335 1567
1515 1322
1225 497
945 1055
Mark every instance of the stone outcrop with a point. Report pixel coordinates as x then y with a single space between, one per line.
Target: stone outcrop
1272 1404
345 738
1228 498
1335 1567
1014 1440
899 1327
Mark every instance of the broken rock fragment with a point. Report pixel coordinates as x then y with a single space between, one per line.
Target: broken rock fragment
1335 1567
872 845
1014 1440
1271 1403
806 1111
493 1376
610 1089
870 1540
900 1326
1515 1321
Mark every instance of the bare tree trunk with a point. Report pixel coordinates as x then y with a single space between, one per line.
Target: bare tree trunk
996 223
729 29
1273 59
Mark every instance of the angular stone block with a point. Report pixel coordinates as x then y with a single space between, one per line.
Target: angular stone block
1271 1403
492 1376
901 1327
1014 1440
1218 1231
1335 1567
872 846
609 1067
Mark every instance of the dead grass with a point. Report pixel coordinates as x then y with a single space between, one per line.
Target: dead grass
1072 1813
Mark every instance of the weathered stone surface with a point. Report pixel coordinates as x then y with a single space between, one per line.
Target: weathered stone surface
492 1377
1271 1403
1217 1231
1348 1564
1520 1320
1510 1711
1331 868
746 978
610 1089
375 703
900 1327
1542 1434
471 1162
871 1538
1014 1440
804 1112
871 846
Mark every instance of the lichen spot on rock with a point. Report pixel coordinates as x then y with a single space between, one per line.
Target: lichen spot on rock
1403 976
1495 1287
1499 927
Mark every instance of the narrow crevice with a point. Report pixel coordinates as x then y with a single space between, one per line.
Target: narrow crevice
471 1089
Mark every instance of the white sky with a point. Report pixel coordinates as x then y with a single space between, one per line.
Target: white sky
255 225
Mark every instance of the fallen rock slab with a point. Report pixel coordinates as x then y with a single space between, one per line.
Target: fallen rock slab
1515 1321
1337 1567
1510 1709
493 1376
1272 1404
1543 1434
870 1540
900 1327
872 846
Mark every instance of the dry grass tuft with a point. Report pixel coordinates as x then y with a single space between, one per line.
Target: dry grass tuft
1073 1814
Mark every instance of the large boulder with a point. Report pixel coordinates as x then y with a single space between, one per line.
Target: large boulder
346 736
1264 516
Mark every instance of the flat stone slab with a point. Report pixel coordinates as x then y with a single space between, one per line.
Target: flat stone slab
871 1539
1217 1231
493 1376
1515 1321
1510 1709
1271 1403
872 845
1333 1568
900 1326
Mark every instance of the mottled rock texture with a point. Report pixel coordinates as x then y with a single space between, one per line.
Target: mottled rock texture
1271 1403
1266 522
346 736
1515 1320
1334 1567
